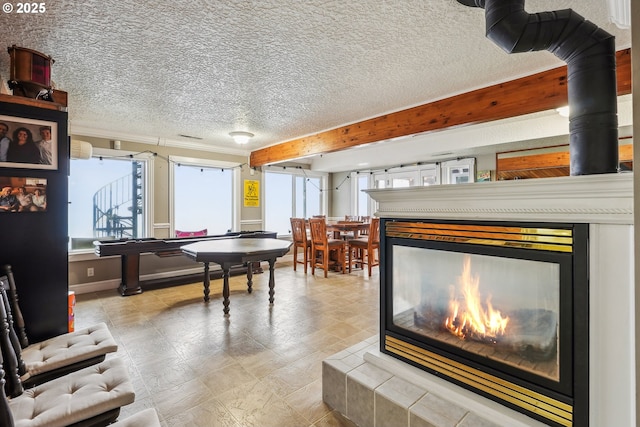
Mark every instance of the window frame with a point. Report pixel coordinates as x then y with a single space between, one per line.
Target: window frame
175 161
148 203
430 167
305 173
355 193
447 166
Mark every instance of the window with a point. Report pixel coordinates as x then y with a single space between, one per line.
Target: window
407 177
361 200
458 171
108 197
430 174
292 194
448 172
308 200
203 195
380 181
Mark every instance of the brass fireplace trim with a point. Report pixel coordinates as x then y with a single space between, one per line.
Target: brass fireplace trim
545 239
544 406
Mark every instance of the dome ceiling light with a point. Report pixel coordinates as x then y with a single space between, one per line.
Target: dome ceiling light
241 137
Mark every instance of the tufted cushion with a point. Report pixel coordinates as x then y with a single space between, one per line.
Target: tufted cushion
146 418
64 350
74 397
198 233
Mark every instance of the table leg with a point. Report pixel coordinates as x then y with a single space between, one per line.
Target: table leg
130 268
272 280
207 281
225 289
249 277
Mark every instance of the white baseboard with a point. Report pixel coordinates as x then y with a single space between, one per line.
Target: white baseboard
104 285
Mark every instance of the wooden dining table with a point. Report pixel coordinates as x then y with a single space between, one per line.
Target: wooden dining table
339 227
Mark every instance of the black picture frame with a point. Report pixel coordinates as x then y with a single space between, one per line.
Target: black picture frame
42 155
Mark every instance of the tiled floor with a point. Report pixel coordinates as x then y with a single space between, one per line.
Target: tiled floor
261 366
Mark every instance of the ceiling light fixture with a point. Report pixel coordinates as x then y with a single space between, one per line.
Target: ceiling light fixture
241 137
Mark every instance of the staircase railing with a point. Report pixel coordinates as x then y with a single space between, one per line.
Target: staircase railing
118 205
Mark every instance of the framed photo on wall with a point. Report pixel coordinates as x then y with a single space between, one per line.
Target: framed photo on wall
28 143
20 194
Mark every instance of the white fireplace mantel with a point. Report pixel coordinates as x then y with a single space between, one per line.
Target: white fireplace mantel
603 199
605 202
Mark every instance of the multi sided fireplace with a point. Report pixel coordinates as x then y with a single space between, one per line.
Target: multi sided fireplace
500 308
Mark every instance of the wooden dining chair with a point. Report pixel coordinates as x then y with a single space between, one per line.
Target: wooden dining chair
300 241
325 252
366 219
366 250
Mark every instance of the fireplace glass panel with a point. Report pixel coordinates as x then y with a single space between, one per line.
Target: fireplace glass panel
504 309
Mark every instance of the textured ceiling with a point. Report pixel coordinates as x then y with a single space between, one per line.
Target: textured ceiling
281 69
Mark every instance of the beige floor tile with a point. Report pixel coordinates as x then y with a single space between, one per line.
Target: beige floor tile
307 401
260 366
210 413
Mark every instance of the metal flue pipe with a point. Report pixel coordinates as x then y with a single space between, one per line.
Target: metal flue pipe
589 52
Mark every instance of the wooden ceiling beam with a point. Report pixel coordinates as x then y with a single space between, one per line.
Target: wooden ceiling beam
538 92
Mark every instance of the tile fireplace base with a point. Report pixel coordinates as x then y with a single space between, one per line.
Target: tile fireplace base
376 390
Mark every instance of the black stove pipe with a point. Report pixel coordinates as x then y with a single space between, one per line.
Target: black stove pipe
589 53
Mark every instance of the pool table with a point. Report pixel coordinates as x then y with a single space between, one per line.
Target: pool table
129 251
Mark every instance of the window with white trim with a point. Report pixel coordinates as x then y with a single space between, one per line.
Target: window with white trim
364 201
448 172
430 174
459 171
292 193
202 195
108 197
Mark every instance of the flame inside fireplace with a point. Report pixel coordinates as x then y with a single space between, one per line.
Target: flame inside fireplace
468 318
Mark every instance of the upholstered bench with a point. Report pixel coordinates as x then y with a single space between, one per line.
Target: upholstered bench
92 395
66 353
146 418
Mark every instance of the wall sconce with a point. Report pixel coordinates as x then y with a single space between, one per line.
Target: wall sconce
241 137
80 150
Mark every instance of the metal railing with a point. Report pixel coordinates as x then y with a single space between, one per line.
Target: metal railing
118 205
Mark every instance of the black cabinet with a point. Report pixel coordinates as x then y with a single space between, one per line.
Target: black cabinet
34 241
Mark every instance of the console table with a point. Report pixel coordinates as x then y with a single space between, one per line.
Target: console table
230 252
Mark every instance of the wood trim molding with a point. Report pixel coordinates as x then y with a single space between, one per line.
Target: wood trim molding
538 92
14 99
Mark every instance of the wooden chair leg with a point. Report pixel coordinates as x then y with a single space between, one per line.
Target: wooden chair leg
295 257
325 262
306 258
